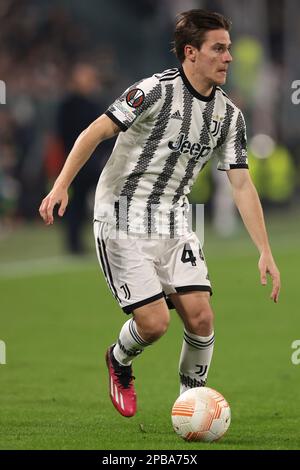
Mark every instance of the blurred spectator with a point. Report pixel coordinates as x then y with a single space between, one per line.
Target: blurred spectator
76 112
9 188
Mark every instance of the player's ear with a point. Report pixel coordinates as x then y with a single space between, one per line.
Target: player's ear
190 52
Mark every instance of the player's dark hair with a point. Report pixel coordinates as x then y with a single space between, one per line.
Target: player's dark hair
191 27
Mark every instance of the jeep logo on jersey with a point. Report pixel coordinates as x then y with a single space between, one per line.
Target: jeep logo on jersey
183 145
135 97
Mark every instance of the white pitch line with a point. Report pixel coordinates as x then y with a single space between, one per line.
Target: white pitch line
44 266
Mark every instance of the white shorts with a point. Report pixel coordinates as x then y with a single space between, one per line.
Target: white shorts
139 271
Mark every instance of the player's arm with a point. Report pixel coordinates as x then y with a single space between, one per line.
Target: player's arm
101 129
249 206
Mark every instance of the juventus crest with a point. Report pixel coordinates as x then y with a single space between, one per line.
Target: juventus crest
217 121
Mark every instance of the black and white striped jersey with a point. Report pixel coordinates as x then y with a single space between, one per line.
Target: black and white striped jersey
169 133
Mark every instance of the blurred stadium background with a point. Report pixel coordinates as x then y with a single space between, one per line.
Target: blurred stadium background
57 58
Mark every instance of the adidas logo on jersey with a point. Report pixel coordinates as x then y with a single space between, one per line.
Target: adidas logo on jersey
176 115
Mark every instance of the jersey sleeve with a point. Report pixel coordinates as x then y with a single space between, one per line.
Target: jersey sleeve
138 101
233 153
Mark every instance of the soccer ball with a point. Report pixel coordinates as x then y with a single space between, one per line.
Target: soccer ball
201 414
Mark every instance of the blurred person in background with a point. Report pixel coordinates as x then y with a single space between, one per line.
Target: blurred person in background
170 125
39 45
76 111
9 187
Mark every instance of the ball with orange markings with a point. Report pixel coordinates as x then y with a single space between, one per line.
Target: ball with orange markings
201 414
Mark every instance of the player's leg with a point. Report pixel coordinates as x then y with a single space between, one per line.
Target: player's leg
198 339
130 274
184 276
148 324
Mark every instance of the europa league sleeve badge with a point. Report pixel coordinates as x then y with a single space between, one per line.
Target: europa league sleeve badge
135 97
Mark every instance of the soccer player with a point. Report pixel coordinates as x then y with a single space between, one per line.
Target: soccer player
169 126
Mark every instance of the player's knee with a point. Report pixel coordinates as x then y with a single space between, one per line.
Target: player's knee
153 327
154 330
201 323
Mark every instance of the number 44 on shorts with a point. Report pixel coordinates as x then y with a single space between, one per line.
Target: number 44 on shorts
188 255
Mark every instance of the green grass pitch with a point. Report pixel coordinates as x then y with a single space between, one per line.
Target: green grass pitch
58 323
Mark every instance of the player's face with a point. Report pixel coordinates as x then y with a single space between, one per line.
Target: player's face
213 59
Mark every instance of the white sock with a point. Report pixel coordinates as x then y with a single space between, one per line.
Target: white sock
130 344
195 360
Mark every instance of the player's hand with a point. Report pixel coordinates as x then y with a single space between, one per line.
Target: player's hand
56 196
266 265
